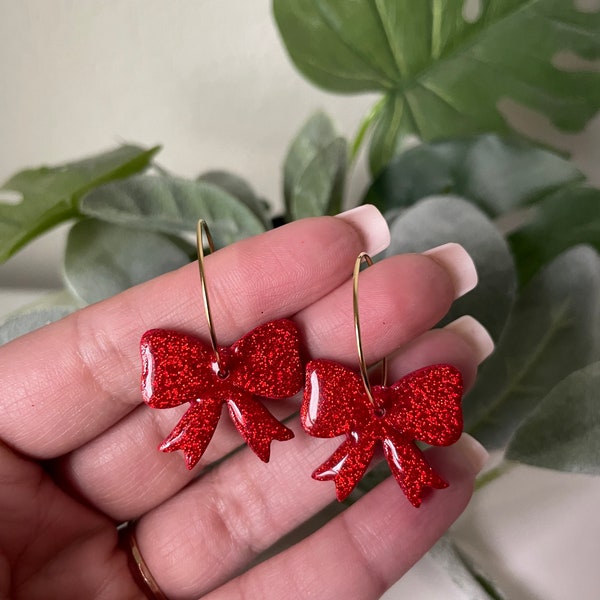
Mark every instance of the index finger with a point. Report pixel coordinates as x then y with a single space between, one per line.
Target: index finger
66 383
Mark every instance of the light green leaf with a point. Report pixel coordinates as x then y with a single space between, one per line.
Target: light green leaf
498 174
466 576
239 188
444 76
103 259
173 205
435 221
553 330
50 194
568 217
48 309
563 432
314 170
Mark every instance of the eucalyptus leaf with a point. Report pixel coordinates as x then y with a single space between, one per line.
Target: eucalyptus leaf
465 575
499 174
103 259
50 194
239 188
554 329
47 309
568 217
172 205
442 75
314 170
563 432
438 220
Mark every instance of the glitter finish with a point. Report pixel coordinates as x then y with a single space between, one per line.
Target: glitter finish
178 368
424 406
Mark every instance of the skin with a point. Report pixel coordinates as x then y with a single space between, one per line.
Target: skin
78 448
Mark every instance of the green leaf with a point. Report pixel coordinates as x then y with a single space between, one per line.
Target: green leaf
566 218
239 188
48 309
563 432
172 205
473 585
553 330
103 259
498 174
314 170
435 221
50 194
444 76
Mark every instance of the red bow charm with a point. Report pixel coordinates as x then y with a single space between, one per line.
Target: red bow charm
424 405
179 368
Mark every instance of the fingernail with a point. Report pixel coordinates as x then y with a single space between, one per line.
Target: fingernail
473 453
475 334
459 265
371 225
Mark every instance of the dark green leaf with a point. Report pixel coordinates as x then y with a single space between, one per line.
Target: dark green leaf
33 316
466 576
563 432
172 205
103 259
438 220
498 174
314 170
50 194
239 188
566 218
444 76
553 330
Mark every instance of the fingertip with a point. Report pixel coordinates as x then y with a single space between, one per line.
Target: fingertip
371 225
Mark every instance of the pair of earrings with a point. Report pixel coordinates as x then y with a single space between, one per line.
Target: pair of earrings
424 405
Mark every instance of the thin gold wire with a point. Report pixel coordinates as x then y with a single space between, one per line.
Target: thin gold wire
203 231
359 347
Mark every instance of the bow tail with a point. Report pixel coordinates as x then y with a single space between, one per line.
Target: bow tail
410 469
346 465
194 431
257 425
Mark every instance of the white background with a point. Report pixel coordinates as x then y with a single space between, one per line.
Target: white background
209 80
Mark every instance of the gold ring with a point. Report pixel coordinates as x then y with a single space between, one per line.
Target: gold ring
137 565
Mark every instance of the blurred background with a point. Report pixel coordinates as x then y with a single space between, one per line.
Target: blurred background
211 82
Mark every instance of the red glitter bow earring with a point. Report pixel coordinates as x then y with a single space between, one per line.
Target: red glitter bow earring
179 368
423 406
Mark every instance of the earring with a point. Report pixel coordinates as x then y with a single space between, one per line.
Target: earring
423 406
179 368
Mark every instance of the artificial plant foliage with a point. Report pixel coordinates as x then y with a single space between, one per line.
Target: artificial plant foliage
314 170
50 194
563 432
239 188
553 330
103 259
441 219
173 205
568 216
441 74
497 173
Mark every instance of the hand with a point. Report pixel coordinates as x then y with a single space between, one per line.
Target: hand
79 450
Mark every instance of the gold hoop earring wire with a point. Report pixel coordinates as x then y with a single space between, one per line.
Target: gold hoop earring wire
363 256
202 231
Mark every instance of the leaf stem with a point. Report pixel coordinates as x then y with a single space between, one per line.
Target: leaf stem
364 127
493 474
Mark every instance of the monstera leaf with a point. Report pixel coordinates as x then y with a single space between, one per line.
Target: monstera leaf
443 75
49 195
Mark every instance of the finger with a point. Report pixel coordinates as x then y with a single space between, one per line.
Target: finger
244 506
376 540
82 373
112 470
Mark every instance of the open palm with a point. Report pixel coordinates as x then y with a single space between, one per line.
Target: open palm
78 452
